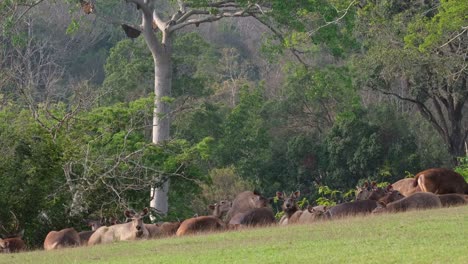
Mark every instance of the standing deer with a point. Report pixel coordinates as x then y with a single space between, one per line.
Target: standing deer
206 223
132 230
440 181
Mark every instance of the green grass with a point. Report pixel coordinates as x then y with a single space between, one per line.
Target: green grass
433 236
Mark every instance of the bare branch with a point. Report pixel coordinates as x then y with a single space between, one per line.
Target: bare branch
327 23
280 36
464 29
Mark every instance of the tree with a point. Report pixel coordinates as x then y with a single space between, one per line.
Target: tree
159 32
417 53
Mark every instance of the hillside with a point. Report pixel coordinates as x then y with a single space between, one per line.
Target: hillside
434 236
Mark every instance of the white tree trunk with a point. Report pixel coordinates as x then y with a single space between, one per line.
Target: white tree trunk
161 116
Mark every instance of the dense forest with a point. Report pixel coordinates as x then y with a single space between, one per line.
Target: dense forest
309 95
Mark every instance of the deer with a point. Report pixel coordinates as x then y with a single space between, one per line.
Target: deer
133 230
311 215
244 202
254 217
405 186
363 192
360 207
421 200
452 199
206 223
12 241
440 181
85 235
67 237
289 207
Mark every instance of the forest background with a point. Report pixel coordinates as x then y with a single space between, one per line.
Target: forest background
316 96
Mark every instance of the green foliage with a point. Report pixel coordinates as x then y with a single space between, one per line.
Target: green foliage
369 146
244 127
328 197
410 54
97 167
130 69
30 174
129 72
204 120
462 168
430 31
224 184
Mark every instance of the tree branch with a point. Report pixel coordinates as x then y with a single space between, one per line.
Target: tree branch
280 36
327 23
426 113
147 25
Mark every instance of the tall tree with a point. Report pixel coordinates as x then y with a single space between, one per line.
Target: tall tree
161 47
416 52
159 29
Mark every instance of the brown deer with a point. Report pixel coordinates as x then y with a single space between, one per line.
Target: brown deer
373 192
244 202
289 206
405 186
85 235
360 207
169 228
132 230
12 241
363 192
164 229
67 237
311 215
422 200
390 196
452 199
254 217
206 223
440 181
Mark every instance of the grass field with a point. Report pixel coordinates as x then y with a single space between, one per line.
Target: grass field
433 236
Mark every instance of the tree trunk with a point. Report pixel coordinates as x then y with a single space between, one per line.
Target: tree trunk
161 115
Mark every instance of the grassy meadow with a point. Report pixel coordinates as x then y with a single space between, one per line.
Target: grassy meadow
433 236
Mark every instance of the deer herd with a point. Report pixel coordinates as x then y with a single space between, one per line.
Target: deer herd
432 188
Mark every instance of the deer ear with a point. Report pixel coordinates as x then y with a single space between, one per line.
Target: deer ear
211 206
310 208
129 213
256 192
297 194
366 184
145 211
389 188
279 195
